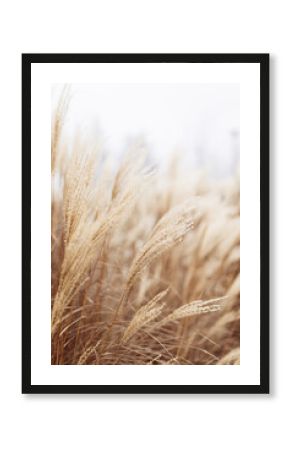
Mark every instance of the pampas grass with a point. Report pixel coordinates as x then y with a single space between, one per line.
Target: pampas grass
145 266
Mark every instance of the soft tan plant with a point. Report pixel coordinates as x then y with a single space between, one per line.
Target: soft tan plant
132 251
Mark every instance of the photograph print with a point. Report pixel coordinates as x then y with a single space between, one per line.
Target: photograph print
153 192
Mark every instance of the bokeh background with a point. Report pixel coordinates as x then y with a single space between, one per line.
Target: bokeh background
200 122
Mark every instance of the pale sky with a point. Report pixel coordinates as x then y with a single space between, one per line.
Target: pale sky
200 120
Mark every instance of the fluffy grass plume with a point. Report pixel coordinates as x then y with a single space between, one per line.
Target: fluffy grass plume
145 266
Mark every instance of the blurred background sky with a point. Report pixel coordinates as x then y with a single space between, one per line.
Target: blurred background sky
199 121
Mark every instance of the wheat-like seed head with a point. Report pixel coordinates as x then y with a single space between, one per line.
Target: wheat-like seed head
147 313
168 232
191 309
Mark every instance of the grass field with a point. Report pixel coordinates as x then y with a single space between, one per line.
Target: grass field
145 262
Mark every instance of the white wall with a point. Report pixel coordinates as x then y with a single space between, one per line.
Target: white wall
210 422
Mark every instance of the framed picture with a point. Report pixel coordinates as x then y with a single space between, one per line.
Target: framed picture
145 231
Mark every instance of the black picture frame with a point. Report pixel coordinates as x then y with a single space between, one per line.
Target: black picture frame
27 61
